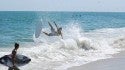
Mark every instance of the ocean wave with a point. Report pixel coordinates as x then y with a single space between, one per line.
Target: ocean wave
77 47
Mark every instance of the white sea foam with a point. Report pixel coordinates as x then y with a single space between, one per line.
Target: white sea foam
77 47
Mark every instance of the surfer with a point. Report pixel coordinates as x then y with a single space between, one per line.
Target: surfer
13 56
54 32
59 30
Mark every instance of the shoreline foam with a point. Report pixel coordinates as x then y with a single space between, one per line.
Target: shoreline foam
115 63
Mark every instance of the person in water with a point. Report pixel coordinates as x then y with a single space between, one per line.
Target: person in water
53 31
13 56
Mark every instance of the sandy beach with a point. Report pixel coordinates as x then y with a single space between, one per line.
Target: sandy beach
115 63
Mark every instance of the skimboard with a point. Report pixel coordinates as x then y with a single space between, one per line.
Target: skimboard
38 30
21 60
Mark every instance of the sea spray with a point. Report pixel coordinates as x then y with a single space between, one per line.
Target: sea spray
88 38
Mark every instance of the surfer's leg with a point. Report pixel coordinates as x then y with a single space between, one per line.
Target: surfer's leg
52 29
13 68
56 25
50 25
16 68
10 68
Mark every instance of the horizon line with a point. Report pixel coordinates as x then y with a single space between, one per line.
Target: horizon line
52 11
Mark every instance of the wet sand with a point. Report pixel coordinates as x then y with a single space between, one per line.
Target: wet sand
115 63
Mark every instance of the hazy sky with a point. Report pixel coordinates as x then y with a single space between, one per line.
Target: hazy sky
63 5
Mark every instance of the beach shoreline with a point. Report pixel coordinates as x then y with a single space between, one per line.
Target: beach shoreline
117 62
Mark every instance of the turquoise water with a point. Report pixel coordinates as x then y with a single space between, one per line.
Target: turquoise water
16 27
87 37
20 26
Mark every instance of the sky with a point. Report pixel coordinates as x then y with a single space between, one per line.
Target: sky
63 5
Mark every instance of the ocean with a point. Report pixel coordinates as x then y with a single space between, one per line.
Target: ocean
87 37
